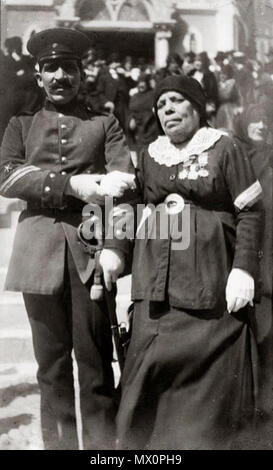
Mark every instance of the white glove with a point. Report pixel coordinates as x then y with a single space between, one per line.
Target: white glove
114 184
239 290
112 263
85 187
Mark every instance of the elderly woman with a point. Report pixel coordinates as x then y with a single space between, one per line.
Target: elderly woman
189 380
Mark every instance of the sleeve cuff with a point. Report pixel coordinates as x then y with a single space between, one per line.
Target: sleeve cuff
248 261
53 190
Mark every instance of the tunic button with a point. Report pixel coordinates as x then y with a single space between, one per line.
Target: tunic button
260 254
63 141
47 189
64 159
52 175
63 126
63 173
61 115
172 177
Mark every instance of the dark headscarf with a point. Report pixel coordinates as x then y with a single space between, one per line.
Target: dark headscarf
188 87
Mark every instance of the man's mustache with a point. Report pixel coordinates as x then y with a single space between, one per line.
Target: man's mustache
60 83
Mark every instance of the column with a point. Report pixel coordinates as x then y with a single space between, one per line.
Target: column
225 27
66 9
3 20
161 47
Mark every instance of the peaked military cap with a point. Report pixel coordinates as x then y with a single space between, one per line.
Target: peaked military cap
57 43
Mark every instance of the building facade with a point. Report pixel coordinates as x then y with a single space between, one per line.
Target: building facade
147 28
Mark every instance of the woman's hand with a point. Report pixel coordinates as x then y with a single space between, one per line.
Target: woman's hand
112 263
114 184
239 290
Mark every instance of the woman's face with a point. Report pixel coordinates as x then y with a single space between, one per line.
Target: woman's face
178 118
257 131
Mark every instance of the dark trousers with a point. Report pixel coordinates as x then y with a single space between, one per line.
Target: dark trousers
59 324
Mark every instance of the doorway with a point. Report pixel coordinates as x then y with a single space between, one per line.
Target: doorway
125 43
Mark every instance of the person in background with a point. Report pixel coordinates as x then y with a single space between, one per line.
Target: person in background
5 90
253 131
142 122
189 379
264 96
243 77
88 91
18 85
174 64
128 64
207 79
229 99
113 89
188 64
53 159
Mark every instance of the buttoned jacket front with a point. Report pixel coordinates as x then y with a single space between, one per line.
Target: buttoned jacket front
39 154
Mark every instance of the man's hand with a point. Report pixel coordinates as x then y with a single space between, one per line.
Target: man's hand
112 263
239 290
114 184
86 188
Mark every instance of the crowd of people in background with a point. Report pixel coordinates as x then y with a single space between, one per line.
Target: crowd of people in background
231 82
124 87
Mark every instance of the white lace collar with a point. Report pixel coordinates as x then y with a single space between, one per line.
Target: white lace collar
165 153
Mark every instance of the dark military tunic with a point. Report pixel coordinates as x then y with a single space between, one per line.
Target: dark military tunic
49 265
189 376
39 154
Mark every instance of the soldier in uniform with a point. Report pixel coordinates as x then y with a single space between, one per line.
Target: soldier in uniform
53 159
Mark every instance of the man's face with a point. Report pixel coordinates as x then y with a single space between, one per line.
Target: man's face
142 87
61 79
177 116
257 131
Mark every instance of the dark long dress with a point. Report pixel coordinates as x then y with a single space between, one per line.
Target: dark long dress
190 375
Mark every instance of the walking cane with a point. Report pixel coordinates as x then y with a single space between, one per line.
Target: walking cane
97 291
